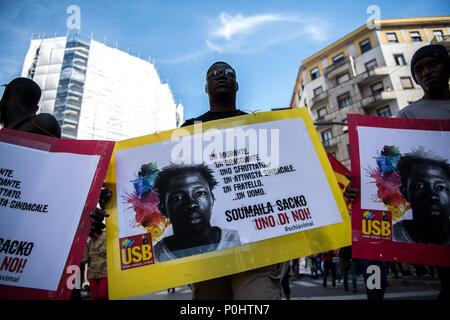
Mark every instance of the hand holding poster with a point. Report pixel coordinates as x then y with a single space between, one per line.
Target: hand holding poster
47 188
223 197
403 174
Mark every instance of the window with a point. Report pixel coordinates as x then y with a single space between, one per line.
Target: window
365 45
400 59
321 113
339 57
391 37
377 88
327 135
406 83
314 73
342 78
318 91
344 100
372 64
384 112
415 36
438 33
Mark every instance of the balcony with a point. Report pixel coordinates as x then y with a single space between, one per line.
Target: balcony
316 99
377 100
70 122
371 76
325 120
338 67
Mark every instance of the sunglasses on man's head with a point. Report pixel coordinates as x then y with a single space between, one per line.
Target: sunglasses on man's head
216 72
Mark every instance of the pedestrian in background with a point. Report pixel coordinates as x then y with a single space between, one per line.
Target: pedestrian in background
328 266
346 260
95 256
285 276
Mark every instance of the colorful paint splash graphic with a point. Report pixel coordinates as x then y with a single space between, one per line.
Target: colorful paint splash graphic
388 182
145 202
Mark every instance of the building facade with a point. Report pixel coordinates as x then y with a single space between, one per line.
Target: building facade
365 72
99 92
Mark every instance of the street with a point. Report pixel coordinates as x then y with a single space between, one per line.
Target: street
306 288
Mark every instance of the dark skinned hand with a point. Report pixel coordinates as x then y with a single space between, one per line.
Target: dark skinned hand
97 217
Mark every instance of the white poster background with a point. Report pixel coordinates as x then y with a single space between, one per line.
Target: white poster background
371 142
59 180
295 148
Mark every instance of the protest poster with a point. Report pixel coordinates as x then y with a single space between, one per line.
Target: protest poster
401 168
270 196
48 186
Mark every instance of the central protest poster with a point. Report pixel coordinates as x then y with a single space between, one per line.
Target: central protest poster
219 198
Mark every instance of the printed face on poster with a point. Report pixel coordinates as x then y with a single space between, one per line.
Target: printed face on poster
219 192
404 183
42 198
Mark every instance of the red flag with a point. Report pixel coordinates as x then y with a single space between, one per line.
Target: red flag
340 171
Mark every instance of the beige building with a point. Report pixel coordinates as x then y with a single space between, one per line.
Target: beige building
365 72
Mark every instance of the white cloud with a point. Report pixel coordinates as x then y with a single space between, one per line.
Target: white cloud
247 34
241 33
238 24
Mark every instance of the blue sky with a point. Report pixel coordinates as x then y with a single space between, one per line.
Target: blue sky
265 41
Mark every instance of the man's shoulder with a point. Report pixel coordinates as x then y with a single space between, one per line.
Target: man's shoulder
399 232
49 123
209 116
409 110
229 235
426 109
191 121
42 123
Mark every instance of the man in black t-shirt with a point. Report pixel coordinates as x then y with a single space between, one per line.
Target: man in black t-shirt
258 284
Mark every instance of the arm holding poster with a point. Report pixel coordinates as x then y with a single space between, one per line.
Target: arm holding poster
99 214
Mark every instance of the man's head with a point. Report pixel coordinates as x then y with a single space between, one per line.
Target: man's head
425 184
430 68
185 195
221 85
21 96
